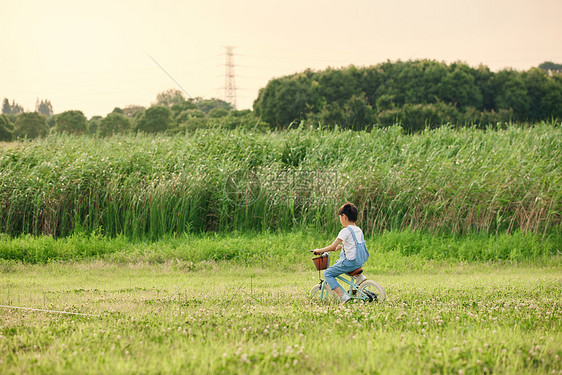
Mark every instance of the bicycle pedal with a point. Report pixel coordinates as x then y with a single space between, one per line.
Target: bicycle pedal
372 296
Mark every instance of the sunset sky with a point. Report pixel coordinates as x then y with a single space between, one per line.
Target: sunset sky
94 55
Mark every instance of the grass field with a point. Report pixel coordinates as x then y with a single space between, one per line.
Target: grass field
226 318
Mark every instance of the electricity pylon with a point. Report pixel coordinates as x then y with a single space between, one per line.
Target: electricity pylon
229 81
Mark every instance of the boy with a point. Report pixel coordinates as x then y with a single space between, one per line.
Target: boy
349 258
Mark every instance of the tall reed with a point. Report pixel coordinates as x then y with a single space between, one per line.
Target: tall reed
443 180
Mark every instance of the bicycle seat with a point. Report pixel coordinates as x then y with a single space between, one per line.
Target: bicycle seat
356 272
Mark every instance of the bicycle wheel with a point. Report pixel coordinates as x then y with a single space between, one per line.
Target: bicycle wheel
373 290
315 293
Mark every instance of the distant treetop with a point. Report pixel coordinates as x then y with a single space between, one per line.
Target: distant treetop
550 66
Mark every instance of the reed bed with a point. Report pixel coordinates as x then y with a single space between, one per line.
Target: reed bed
444 180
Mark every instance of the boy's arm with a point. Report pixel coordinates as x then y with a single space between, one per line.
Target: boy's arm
333 247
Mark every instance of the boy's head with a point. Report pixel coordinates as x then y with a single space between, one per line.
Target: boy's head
350 211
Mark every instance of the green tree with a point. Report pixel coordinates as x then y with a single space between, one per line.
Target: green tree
71 122
385 102
483 78
189 114
206 105
191 120
133 110
114 123
11 109
536 84
155 119
218 112
31 125
16 108
392 90
358 112
458 88
44 107
511 93
245 119
334 85
287 99
6 129
549 66
416 117
355 113
170 97
329 114
413 82
6 107
93 124
552 99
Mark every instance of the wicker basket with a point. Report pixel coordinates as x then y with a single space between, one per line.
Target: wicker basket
321 263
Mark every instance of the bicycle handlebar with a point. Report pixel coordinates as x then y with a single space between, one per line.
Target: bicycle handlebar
322 255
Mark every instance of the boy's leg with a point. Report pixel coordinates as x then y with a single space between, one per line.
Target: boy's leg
337 269
330 275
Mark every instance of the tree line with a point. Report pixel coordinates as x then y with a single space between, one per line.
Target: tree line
413 93
171 113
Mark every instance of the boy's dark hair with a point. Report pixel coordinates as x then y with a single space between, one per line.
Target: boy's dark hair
350 211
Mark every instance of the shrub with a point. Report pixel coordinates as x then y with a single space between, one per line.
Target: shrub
6 129
155 119
114 123
30 125
71 122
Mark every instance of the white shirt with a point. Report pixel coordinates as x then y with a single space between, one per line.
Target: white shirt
349 250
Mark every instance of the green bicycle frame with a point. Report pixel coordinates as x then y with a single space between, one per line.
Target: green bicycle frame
352 287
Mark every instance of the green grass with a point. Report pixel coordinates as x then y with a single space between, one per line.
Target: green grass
446 180
285 248
226 318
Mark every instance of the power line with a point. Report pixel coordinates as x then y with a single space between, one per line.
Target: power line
168 74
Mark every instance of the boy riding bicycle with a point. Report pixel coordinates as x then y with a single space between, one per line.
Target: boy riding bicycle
354 252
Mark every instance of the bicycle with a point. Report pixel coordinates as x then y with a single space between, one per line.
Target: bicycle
367 291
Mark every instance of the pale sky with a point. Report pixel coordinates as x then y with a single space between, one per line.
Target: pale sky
94 55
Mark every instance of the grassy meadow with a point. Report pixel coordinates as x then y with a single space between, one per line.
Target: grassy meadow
190 254
231 318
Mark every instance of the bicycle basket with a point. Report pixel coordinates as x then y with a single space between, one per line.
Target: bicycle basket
321 263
